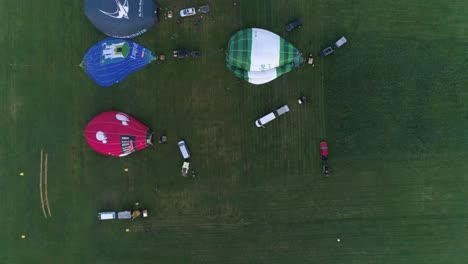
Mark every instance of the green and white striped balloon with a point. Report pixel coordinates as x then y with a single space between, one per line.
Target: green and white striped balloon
260 56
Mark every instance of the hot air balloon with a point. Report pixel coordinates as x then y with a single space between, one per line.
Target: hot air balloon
111 60
117 134
121 18
260 56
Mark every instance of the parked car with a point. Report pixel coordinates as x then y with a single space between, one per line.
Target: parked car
184 150
324 157
265 119
106 215
186 53
185 168
271 116
195 54
293 25
188 12
180 53
340 42
327 51
325 169
282 110
203 9
324 150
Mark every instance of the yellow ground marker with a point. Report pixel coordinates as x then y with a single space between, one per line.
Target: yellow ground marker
127 230
21 173
23 236
40 186
126 169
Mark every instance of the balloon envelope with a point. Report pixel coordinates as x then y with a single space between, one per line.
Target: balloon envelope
260 56
121 18
117 134
111 60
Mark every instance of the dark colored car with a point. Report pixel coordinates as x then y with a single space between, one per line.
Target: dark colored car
185 53
180 53
293 25
195 54
325 169
327 51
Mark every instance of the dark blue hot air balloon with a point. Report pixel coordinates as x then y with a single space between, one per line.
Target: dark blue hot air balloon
111 60
122 18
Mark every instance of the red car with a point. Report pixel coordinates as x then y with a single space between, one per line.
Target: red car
324 155
324 150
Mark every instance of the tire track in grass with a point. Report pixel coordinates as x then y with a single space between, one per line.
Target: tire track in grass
45 185
40 185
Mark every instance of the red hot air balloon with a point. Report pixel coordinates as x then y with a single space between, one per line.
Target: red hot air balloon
117 134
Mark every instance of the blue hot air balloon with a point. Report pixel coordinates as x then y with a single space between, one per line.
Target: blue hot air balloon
112 60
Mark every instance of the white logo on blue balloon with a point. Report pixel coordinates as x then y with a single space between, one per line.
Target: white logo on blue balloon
122 10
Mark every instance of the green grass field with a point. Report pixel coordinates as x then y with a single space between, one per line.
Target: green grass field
392 103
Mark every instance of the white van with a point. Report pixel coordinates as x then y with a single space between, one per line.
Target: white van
183 149
106 215
264 120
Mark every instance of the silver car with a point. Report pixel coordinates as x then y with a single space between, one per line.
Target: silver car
187 12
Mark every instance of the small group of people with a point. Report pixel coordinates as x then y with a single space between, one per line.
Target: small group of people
302 99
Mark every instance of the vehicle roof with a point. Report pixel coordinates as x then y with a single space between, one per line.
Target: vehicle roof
324 148
183 149
269 116
124 215
106 215
282 110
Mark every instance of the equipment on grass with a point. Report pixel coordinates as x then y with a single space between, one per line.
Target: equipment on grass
260 56
302 100
185 168
122 18
310 60
117 134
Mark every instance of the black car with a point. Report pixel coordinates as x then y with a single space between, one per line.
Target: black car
186 53
180 53
195 54
325 168
326 51
293 25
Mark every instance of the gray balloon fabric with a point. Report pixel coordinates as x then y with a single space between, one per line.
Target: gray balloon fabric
121 18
